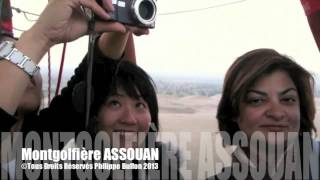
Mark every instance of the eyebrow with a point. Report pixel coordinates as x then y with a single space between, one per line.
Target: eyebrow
288 90
265 94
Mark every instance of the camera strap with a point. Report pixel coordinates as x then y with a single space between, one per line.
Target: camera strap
92 37
89 77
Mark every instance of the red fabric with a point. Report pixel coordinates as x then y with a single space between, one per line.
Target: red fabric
7 25
5 18
312 10
311 6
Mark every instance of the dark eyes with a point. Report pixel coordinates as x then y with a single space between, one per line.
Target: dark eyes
289 100
141 105
116 104
255 101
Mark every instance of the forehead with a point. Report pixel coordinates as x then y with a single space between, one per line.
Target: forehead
276 80
134 87
131 92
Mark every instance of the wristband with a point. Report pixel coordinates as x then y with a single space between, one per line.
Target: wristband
10 53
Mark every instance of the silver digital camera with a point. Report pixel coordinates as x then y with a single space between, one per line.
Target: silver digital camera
140 13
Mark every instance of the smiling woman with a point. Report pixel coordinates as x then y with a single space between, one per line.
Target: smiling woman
270 105
269 98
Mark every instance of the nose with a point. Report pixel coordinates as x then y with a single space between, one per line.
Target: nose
275 111
128 116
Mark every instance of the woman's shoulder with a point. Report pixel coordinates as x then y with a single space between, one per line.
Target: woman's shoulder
224 174
168 149
170 160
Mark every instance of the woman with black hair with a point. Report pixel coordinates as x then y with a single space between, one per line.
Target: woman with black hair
63 21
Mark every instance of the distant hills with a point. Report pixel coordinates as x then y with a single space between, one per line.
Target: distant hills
172 85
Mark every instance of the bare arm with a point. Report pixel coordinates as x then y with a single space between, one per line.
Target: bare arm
114 44
130 52
67 24
13 80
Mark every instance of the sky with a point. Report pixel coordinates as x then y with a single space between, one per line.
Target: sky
202 43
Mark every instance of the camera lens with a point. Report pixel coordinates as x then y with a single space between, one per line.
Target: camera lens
146 10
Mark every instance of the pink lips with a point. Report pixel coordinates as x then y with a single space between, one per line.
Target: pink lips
124 130
274 128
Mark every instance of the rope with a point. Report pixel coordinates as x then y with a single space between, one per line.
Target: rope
61 68
201 9
49 77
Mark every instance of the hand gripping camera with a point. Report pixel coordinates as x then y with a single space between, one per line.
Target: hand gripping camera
140 13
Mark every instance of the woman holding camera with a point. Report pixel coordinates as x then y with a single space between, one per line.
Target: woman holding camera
119 106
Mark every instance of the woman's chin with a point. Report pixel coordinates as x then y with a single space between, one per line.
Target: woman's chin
280 138
267 137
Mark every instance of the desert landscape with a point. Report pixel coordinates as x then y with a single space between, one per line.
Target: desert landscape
192 117
187 110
